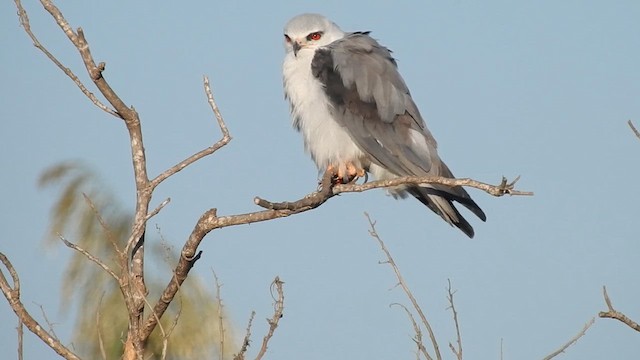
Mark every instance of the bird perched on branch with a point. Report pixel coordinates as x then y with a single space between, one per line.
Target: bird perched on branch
357 116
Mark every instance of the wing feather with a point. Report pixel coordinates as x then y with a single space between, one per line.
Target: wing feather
371 101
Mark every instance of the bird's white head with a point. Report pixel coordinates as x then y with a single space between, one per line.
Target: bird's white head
307 32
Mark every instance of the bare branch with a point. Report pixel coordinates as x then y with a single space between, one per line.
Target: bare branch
105 227
633 128
614 314
49 323
103 353
226 138
12 294
246 341
134 275
456 352
328 190
278 308
157 209
165 335
24 21
418 333
221 331
505 187
404 286
20 329
572 341
90 257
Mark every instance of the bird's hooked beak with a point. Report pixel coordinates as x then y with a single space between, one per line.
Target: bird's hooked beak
296 47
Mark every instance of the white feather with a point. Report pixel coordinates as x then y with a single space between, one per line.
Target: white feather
328 142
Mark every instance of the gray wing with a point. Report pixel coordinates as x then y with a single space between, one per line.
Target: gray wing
371 101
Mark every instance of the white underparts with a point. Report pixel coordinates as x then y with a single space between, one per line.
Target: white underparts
326 141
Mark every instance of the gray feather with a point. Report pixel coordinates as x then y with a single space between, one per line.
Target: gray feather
371 101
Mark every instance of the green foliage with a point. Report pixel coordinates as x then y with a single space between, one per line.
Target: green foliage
95 297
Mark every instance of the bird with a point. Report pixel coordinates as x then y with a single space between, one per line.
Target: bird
357 117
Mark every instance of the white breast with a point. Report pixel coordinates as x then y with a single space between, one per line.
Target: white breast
324 139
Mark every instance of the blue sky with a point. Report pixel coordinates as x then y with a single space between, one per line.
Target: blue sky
542 90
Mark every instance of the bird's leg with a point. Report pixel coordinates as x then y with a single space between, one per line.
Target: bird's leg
346 173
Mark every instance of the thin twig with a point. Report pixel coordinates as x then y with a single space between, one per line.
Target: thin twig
99 329
633 128
221 331
89 256
49 323
247 339
12 294
24 21
20 330
407 291
457 352
278 308
614 314
104 226
165 336
572 341
418 333
157 209
226 138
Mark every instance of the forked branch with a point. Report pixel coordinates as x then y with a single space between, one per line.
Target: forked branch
615 314
278 308
12 294
405 288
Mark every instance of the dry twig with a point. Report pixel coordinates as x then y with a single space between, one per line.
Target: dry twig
12 294
221 331
89 256
278 308
633 128
20 329
457 352
405 288
614 314
103 352
24 21
247 339
418 334
572 341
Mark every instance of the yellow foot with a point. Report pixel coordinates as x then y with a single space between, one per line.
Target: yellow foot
346 173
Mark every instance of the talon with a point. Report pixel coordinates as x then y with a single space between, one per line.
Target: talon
346 173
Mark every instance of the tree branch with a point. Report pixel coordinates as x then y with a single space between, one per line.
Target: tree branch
226 138
221 330
633 128
614 314
89 256
457 352
210 221
278 308
12 294
247 339
418 333
24 21
572 341
404 286
328 190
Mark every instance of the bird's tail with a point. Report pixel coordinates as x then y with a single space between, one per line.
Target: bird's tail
440 198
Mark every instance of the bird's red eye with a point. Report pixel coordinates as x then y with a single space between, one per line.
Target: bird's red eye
314 36
287 38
